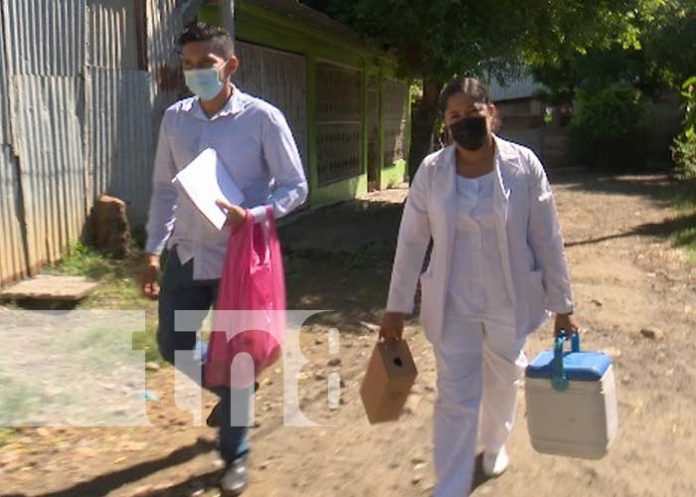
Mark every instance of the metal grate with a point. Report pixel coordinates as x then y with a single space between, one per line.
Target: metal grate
339 123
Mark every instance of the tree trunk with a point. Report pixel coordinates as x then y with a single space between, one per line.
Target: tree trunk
422 125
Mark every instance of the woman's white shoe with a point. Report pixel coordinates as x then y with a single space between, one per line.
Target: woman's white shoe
496 463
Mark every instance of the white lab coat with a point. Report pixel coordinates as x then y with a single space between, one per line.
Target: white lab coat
531 244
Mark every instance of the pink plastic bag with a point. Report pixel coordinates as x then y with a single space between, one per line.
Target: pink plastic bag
252 280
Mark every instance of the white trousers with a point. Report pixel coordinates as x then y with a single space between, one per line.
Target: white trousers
479 365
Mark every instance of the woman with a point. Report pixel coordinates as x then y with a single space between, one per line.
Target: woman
496 269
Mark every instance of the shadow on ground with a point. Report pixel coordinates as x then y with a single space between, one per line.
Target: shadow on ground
108 482
680 227
340 258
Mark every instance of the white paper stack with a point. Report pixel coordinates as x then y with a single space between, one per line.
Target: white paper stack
206 180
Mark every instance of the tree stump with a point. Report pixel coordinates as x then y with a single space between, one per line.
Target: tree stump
110 228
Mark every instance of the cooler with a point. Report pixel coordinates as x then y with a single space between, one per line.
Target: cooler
571 401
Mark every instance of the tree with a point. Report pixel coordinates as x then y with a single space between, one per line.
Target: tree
662 57
434 40
668 42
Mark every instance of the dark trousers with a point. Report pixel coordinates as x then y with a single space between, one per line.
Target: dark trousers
180 292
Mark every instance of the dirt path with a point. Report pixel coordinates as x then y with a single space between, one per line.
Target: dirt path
626 278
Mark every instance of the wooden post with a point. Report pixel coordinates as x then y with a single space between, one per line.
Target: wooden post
312 154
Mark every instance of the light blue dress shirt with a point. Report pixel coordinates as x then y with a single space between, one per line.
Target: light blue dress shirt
254 141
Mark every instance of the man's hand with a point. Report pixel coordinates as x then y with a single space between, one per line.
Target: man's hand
565 322
235 214
392 326
148 277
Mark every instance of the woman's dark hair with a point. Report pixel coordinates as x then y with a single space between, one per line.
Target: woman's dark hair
201 31
472 88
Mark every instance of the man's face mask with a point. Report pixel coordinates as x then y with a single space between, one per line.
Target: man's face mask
469 133
204 83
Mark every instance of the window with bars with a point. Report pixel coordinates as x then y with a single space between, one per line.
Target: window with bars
339 123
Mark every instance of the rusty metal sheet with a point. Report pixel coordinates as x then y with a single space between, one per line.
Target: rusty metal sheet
120 138
45 37
13 260
48 142
112 36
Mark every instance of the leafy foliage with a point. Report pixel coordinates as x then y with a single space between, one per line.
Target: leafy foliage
436 39
661 55
685 144
608 127
668 43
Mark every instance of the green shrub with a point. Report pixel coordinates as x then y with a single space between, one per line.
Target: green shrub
685 144
608 128
685 157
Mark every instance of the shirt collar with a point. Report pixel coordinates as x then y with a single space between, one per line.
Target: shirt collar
233 106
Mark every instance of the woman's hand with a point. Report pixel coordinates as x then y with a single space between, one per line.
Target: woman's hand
565 322
392 326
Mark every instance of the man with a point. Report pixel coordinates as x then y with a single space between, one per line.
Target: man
253 140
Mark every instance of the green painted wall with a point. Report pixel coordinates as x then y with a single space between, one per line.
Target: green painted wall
393 175
209 14
261 26
338 191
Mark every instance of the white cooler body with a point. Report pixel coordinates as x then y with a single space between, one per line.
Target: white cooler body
578 422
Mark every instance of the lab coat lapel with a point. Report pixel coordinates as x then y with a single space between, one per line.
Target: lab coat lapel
504 166
449 196
446 213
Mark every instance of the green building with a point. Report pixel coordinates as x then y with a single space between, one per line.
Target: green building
349 111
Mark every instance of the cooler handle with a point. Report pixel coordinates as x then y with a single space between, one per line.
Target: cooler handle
559 380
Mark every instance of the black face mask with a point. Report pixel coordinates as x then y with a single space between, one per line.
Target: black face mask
469 133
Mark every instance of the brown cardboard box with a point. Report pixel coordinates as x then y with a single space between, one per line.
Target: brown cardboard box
390 375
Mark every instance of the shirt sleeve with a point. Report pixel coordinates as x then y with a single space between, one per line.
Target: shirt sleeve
164 195
413 240
546 240
284 163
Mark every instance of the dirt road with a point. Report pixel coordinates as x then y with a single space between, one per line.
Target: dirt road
627 278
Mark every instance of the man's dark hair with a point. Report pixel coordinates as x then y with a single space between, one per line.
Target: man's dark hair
201 31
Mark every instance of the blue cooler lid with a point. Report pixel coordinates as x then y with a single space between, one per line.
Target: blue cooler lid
578 366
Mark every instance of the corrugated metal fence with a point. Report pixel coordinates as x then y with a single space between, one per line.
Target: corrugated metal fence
83 84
